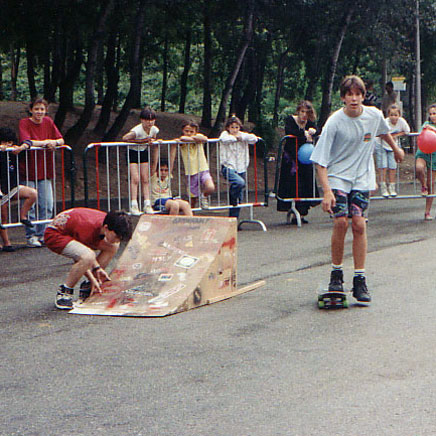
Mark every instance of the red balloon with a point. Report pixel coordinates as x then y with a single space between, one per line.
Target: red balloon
427 141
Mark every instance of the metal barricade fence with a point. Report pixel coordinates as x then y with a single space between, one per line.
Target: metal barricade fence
107 185
406 183
63 180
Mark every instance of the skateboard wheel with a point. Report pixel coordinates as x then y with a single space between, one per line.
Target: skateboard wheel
321 304
345 304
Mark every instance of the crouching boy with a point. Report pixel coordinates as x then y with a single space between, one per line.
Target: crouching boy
76 233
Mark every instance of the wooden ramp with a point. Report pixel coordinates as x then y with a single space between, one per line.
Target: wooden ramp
171 264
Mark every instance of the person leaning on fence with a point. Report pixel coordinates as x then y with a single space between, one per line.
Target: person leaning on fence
386 163
9 188
234 159
138 159
76 233
303 127
426 163
36 167
199 181
345 166
161 195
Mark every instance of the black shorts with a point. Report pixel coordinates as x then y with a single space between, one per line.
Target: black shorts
138 157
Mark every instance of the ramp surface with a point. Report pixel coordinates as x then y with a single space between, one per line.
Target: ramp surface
170 265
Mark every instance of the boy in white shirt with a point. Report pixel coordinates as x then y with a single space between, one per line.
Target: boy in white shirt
345 167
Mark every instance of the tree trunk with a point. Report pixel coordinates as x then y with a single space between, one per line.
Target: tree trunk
112 78
15 54
73 63
279 85
2 95
185 74
248 34
206 116
30 69
77 130
135 73
331 72
164 74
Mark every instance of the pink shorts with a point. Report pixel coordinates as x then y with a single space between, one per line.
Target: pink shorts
195 181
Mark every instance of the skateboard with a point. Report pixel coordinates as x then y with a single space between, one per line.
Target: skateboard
332 300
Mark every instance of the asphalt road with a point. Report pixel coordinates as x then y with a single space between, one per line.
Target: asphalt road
268 362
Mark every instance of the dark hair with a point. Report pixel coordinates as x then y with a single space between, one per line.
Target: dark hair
350 82
163 162
38 100
147 114
191 123
231 120
120 223
306 104
8 135
431 107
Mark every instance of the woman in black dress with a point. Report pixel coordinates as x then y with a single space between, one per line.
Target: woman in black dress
302 126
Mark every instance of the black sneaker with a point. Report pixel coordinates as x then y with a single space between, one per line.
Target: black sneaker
360 291
64 298
85 290
27 222
336 281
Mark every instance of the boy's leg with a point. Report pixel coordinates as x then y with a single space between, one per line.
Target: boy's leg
184 207
45 206
172 206
145 185
359 202
429 200
134 182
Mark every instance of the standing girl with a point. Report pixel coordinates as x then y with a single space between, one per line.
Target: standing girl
36 168
198 178
385 155
302 126
235 158
138 159
423 162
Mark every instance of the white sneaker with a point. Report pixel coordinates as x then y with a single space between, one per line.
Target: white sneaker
204 202
148 209
134 209
384 189
33 241
391 189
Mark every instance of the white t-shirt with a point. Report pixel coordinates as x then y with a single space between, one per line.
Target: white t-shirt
345 148
141 134
401 126
234 153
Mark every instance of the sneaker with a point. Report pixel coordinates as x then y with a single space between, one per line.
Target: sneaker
148 209
336 281
391 189
85 290
360 291
8 249
64 298
384 189
204 202
424 191
428 217
33 241
134 209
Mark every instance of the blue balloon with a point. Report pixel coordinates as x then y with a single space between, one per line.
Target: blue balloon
304 153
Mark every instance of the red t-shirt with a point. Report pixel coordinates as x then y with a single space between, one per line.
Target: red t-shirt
44 158
81 224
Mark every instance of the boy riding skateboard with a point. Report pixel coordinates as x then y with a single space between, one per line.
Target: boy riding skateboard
345 168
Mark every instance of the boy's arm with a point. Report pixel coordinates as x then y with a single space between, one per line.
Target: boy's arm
329 200
398 152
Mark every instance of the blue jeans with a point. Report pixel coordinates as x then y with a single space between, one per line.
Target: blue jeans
44 203
236 191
